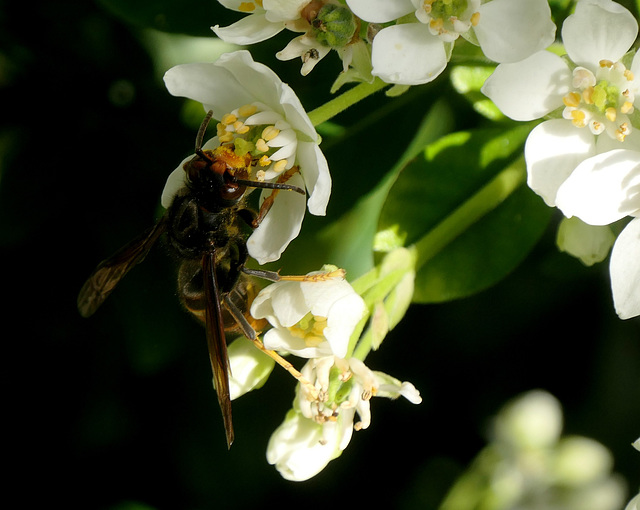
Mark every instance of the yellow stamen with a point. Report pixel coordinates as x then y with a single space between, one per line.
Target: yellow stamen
436 24
260 174
627 107
247 110
261 145
610 113
587 95
578 118
475 19
628 74
572 99
228 119
264 161
247 7
270 132
606 63
226 137
280 165
240 127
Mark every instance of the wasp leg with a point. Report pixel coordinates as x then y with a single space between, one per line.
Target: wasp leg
268 202
274 276
250 333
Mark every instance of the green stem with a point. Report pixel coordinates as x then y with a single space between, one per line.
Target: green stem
484 201
344 101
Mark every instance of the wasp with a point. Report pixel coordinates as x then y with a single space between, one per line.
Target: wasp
206 227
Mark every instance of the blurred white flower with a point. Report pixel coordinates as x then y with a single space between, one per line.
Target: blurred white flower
253 104
417 50
310 319
530 465
317 430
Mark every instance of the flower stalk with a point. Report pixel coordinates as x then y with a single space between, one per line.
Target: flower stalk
345 100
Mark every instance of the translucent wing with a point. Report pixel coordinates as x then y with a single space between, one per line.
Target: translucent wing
109 272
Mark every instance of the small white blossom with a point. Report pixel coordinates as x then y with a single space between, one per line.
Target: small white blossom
310 319
248 98
417 50
267 18
317 430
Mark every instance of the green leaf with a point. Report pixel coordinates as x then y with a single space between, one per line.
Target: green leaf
462 204
349 240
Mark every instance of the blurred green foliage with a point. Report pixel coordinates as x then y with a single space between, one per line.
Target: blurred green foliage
118 411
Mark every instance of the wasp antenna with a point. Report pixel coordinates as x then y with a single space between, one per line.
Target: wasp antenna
270 185
201 131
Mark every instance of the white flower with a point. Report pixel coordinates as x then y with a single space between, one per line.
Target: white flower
325 26
317 430
417 51
597 96
309 319
252 103
300 448
601 190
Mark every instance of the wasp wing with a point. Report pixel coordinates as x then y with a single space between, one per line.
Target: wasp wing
216 341
109 272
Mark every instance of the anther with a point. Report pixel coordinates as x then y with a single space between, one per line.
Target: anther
475 19
606 63
270 132
228 119
280 166
611 113
247 110
572 99
261 145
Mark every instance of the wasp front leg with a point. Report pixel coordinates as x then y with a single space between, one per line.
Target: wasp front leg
268 202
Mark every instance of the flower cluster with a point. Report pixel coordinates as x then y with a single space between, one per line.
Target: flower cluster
315 320
530 464
407 42
587 161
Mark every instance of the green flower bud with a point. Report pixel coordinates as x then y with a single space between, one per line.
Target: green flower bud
334 26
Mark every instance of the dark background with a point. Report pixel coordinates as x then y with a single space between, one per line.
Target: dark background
120 407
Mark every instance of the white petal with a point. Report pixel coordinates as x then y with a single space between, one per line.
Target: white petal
603 189
512 30
599 29
300 448
284 10
256 79
407 54
625 271
317 179
552 151
289 305
343 317
529 89
249 30
589 243
209 84
282 340
380 11
281 225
